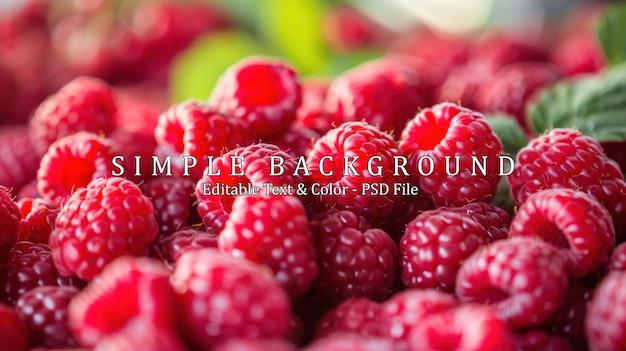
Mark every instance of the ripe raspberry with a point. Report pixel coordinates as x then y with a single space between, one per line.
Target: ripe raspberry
501 49
617 261
383 93
172 199
130 294
222 297
349 342
511 88
18 159
192 128
569 321
524 279
462 83
44 310
254 162
107 219
355 315
28 266
434 246
13 333
169 248
351 148
84 104
243 344
38 217
539 340
459 142
565 158
606 319
493 219
579 53
311 113
9 222
273 231
466 327
264 92
71 163
355 260
572 221
139 336
405 311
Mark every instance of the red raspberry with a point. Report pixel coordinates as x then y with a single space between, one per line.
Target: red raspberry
38 217
130 294
383 93
311 113
273 231
264 92
173 200
511 88
351 148
354 259
539 340
44 310
349 342
71 163
565 158
18 159
224 297
402 313
84 104
254 162
107 219
28 266
242 344
169 248
355 315
9 222
493 219
524 279
569 321
13 332
501 49
617 261
458 141
606 319
462 83
572 221
139 336
410 206
194 129
434 246
466 327
579 53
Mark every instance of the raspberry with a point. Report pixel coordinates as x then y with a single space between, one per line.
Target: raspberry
311 113
172 199
565 158
434 246
274 231
139 336
349 342
44 310
13 332
242 344
346 29
354 259
466 327
410 206
501 49
617 261
383 93
28 266
493 219
354 315
18 159
405 311
84 104
297 141
351 148
170 248
538 340
455 139
38 217
605 314
194 129
523 279
224 297
254 162
264 92
130 294
579 53
9 222
71 163
107 219
462 83
569 321
571 221
511 88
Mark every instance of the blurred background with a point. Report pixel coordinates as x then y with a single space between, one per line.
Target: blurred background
167 51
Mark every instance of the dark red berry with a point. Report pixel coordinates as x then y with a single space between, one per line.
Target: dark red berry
13 332
9 222
38 217
173 199
606 319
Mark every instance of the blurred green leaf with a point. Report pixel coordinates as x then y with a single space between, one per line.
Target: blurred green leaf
611 32
509 131
294 27
339 63
197 69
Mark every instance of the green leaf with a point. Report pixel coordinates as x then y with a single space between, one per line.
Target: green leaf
510 133
294 27
594 105
197 69
611 33
339 63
